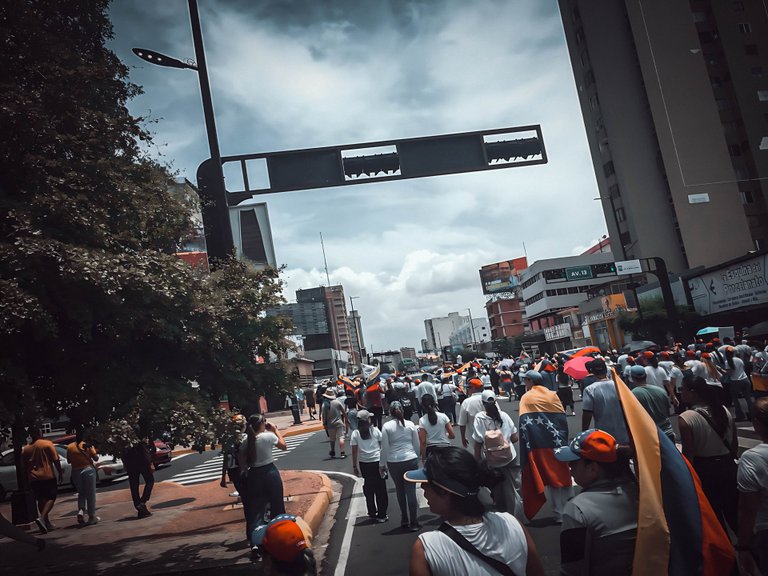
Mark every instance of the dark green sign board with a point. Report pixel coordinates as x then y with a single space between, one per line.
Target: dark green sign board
578 273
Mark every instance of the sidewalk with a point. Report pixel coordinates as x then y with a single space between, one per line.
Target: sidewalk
192 529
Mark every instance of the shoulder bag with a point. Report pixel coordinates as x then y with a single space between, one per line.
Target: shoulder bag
465 545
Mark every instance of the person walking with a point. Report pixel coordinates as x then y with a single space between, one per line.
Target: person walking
374 400
366 462
599 400
263 485
708 436
752 478
335 419
543 427
38 459
309 398
470 408
399 454
81 455
599 527
740 386
506 380
138 463
654 399
470 540
230 464
495 435
565 391
434 427
446 398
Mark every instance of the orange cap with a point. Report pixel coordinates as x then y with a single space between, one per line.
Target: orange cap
648 354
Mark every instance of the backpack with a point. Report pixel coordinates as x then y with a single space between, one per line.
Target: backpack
497 449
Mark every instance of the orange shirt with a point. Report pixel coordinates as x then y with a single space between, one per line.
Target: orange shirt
79 457
38 459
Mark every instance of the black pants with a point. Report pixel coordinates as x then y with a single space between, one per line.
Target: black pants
133 481
376 415
718 481
374 489
263 492
448 407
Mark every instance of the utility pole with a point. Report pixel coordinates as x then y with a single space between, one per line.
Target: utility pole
472 327
357 331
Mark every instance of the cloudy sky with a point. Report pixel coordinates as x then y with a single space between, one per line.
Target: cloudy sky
290 74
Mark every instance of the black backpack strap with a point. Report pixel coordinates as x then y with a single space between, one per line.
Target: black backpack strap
465 545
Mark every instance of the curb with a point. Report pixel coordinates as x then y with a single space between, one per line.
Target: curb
319 507
299 431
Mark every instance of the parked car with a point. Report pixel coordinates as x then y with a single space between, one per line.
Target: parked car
108 467
8 471
162 454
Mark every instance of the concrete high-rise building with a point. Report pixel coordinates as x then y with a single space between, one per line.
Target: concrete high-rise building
674 97
356 336
506 317
439 330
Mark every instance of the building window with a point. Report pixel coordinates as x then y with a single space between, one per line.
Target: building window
608 169
734 149
585 60
620 216
613 191
738 6
589 78
746 197
580 36
762 95
764 143
745 28
594 103
750 49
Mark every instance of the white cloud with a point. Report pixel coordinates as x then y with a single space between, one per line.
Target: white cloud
362 72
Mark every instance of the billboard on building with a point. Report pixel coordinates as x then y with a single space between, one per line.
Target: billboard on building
739 285
502 276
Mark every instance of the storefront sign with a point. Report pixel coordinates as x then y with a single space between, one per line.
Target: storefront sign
737 286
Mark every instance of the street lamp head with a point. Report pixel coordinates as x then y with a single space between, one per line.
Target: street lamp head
161 59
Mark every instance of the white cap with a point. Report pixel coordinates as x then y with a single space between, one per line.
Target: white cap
488 396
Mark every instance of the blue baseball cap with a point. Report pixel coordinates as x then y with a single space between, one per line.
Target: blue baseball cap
638 373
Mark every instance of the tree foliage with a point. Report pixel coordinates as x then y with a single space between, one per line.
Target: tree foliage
654 324
99 321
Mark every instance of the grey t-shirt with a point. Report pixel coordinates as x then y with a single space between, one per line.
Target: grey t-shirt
600 398
335 413
753 477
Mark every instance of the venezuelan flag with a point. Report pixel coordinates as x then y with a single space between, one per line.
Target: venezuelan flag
543 427
677 531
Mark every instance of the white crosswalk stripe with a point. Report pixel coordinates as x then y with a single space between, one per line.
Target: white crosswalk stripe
211 469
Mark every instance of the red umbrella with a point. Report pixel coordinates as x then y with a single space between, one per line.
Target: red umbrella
576 367
585 351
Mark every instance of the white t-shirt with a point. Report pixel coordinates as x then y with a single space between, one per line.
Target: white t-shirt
655 376
498 536
399 443
737 372
425 387
445 390
483 423
470 408
753 477
265 442
436 434
367 450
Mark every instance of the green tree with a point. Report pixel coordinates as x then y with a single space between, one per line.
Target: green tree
98 319
654 324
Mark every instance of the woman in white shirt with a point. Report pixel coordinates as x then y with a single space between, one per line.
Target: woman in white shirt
451 480
738 381
506 470
434 427
264 487
366 449
400 453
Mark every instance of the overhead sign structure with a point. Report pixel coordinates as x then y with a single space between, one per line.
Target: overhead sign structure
578 273
627 267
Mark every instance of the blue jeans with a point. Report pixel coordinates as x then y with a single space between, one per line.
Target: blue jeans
264 489
405 491
84 480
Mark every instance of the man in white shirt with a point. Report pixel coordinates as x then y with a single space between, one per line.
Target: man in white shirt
470 408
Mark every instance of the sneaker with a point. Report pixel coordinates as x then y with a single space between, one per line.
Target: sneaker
414 527
382 520
234 494
50 525
81 517
342 455
92 520
332 454
143 512
255 554
41 525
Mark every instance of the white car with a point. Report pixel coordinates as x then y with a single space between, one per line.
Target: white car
108 468
8 471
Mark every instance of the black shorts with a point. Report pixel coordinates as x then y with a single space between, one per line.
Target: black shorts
44 489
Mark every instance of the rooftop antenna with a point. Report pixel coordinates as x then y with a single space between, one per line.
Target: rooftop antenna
525 251
322 244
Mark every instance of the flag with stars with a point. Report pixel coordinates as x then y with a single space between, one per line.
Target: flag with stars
543 428
677 531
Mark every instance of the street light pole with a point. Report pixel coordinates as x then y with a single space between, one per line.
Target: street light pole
217 224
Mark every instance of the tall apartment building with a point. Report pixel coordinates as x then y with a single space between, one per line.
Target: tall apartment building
674 97
439 330
356 336
506 318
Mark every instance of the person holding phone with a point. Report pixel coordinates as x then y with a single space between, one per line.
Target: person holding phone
263 485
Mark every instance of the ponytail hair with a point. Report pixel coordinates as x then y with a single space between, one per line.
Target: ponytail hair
396 411
492 409
428 405
254 422
364 428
